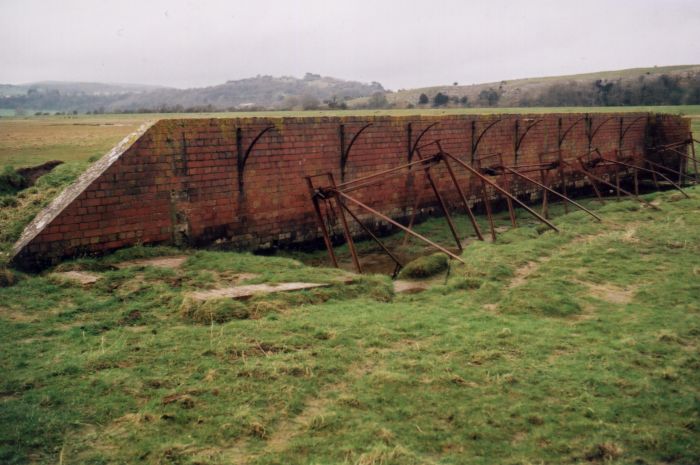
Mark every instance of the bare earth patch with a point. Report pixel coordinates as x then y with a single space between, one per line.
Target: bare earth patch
610 292
409 287
522 273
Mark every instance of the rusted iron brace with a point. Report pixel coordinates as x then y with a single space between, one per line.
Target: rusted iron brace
503 191
398 225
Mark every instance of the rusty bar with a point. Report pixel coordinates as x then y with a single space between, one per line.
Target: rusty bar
442 204
592 177
511 210
670 170
487 205
398 225
371 234
472 218
321 224
503 191
346 229
509 203
567 199
647 170
391 170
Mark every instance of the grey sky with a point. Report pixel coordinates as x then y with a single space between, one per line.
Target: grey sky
398 43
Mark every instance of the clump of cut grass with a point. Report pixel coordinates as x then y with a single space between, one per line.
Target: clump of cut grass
424 267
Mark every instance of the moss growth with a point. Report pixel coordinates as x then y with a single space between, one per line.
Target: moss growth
424 267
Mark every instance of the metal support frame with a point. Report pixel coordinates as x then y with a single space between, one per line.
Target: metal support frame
339 194
584 165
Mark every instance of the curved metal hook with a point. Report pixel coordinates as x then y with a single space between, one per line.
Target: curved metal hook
593 132
563 136
243 156
345 151
255 141
520 140
475 144
413 146
352 141
629 126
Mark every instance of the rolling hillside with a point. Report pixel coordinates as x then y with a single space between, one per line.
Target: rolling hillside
530 91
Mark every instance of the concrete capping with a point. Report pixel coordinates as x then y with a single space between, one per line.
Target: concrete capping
65 198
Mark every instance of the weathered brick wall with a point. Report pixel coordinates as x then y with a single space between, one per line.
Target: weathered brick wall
181 182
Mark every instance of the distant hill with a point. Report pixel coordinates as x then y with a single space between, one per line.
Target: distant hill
310 92
667 85
664 85
74 88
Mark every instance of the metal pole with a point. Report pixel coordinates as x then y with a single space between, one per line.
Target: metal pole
487 205
472 218
319 220
442 204
346 230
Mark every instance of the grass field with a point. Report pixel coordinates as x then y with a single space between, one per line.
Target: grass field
577 347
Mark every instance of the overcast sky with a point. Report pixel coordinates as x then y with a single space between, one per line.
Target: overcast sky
401 44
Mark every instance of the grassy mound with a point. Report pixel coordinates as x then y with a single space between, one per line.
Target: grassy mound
424 267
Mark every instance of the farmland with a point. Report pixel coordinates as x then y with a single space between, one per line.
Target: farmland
576 347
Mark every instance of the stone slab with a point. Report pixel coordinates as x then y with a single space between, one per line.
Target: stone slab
158 262
248 291
81 277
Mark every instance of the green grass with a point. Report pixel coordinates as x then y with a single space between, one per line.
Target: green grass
575 347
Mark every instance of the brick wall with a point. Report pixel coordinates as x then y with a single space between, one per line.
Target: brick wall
184 181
